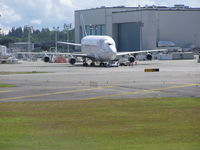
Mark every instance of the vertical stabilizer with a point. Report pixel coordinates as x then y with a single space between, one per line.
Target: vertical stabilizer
83 26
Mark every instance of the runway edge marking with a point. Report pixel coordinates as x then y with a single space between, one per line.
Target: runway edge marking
6 91
55 93
144 91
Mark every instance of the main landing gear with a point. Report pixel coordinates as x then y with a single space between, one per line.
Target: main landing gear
92 64
102 64
109 64
85 64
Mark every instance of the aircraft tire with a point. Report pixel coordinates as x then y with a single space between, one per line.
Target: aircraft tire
92 64
102 64
85 64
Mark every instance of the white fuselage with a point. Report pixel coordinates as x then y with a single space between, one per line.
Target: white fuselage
102 48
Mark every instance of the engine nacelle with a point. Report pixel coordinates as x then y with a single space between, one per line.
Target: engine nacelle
149 57
72 61
131 59
46 59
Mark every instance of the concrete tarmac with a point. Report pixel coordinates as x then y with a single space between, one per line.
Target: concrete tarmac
176 78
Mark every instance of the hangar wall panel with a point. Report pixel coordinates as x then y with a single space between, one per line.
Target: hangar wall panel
149 32
147 22
123 17
128 36
182 27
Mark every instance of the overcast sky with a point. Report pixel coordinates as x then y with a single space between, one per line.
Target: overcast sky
50 13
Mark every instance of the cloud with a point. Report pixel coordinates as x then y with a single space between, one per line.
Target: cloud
67 3
57 12
8 15
36 21
38 13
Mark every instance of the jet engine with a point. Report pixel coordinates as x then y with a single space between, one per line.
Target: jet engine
149 57
131 59
72 61
46 59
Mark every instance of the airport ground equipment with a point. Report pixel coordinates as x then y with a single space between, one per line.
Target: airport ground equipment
198 59
151 70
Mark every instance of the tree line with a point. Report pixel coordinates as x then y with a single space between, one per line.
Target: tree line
44 38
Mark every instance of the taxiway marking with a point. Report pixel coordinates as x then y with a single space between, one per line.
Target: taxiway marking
144 91
55 93
7 91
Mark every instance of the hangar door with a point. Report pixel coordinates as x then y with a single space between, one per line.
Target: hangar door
129 36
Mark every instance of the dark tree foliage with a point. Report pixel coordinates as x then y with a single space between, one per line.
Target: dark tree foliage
6 40
44 38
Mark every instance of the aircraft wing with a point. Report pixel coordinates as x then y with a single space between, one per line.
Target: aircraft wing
82 55
36 53
58 53
53 53
77 54
140 52
68 43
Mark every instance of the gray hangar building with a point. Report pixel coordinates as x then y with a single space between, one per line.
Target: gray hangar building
138 28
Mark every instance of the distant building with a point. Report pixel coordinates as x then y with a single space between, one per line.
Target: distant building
21 46
3 50
137 28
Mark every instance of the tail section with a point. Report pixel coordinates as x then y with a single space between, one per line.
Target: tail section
83 26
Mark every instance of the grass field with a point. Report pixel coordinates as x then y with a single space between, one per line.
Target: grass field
6 85
133 124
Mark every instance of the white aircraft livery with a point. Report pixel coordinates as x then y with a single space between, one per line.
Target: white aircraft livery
102 49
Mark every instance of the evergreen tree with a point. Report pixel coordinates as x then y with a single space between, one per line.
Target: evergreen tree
44 38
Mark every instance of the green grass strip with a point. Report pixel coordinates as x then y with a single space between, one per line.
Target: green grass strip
6 85
127 124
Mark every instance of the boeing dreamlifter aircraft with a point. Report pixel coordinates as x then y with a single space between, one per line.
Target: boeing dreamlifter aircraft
103 50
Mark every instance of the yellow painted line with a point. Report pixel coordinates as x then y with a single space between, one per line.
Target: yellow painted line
144 91
55 93
178 86
7 91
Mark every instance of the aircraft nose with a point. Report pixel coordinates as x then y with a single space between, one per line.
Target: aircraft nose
113 52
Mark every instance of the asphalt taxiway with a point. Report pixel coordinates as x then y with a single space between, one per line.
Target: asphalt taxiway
176 78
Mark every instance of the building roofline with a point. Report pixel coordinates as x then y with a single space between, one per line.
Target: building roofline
149 8
156 9
104 7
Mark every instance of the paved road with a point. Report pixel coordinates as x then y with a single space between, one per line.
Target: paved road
64 82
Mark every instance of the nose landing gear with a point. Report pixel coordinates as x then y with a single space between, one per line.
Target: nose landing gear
109 64
92 64
102 64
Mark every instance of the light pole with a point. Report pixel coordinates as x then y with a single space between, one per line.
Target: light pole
56 29
29 29
67 27
0 28
29 48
